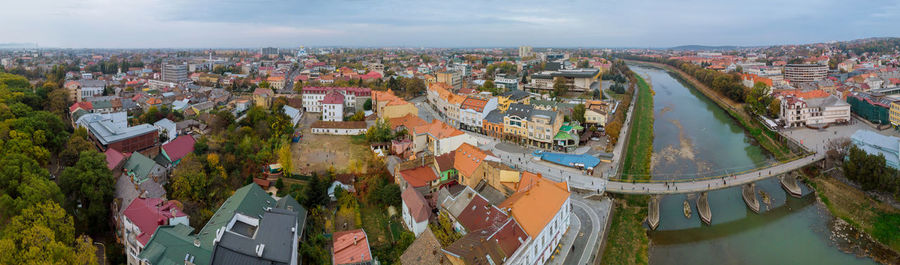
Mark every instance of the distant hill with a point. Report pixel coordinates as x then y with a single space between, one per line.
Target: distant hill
14 45
703 48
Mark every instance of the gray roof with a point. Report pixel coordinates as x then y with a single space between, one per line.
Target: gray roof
546 113
521 110
830 101
275 232
92 83
516 94
495 116
107 133
577 73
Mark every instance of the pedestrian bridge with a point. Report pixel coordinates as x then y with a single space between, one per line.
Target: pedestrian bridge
698 185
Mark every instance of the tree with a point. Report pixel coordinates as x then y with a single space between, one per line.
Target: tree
77 142
88 187
389 194
559 87
379 132
44 234
774 108
578 113
368 104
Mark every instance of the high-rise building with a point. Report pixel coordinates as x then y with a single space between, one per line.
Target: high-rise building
268 51
452 78
525 51
805 73
175 73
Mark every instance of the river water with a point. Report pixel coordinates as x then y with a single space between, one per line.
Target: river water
692 134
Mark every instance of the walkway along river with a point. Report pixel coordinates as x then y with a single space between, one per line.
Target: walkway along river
692 134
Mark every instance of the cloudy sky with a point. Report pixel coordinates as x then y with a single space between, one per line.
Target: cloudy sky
441 23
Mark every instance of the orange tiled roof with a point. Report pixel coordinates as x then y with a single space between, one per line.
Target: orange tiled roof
536 202
389 97
409 121
818 93
438 129
467 158
474 103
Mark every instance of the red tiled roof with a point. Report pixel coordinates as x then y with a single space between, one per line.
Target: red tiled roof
114 158
351 247
180 147
85 105
333 97
149 213
508 237
479 214
416 203
419 177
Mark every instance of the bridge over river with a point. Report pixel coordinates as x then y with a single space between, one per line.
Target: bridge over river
657 187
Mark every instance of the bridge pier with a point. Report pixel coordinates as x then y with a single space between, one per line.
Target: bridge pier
789 183
748 192
703 208
653 212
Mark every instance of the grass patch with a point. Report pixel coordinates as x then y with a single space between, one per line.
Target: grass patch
877 219
627 242
640 137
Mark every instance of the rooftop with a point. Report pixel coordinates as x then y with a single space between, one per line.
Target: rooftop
418 207
536 201
351 247
419 177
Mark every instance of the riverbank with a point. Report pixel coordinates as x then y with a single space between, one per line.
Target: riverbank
856 212
631 243
762 135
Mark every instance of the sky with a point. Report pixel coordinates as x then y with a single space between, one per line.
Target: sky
442 23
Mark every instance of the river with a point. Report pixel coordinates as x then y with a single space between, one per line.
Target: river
692 134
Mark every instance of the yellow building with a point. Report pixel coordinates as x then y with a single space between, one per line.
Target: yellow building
895 113
515 123
389 106
263 97
513 96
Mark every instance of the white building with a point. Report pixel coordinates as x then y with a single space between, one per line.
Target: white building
141 219
797 112
353 97
415 211
473 110
333 106
166 127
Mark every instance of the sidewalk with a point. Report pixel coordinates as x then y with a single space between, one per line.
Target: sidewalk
565 243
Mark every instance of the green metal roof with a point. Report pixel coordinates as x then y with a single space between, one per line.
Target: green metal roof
171 244
562 135
139 167
250 200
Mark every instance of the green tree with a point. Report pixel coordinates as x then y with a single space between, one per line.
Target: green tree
379 132
578 113
88 187
368 104
559 88
78 142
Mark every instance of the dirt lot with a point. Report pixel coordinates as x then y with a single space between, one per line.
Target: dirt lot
318 153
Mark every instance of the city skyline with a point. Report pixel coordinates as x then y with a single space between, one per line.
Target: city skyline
229 24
